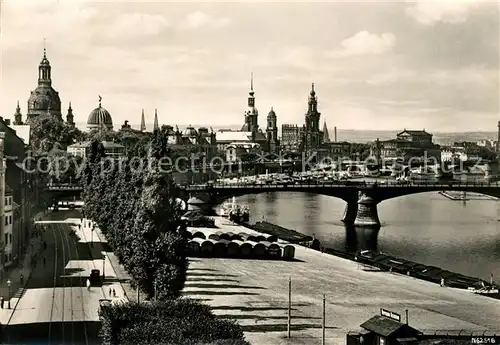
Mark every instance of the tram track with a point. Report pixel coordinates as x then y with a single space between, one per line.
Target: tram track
54 287
81 284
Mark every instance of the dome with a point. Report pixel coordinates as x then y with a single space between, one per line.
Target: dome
272 113
44 97
251 111
100 118
190 132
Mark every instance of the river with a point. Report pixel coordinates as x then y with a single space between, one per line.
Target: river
427 228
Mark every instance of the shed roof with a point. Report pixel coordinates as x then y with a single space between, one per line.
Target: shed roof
385 326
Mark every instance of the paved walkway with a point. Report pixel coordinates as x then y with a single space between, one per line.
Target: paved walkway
18 287
122 276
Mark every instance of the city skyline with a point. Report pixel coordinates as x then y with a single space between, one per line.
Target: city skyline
376 66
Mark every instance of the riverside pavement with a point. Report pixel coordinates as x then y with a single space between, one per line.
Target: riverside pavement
255 294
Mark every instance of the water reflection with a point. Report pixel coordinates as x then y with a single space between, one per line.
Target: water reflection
426 228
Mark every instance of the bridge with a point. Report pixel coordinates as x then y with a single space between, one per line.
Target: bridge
361 196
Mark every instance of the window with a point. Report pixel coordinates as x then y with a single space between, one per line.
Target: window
10 238
6 258
10 219
6 220
6 238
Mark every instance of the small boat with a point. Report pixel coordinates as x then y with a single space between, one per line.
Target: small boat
484 291
239 214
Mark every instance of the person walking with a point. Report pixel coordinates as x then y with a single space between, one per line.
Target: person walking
88 284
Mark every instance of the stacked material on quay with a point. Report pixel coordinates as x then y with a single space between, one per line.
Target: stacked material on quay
212 243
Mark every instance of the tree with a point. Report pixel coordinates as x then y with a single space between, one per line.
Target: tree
46 131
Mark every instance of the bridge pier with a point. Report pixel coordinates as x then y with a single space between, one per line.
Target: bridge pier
350 212
367 215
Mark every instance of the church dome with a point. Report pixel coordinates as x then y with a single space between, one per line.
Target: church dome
44 97
190 132
100 118
272 113
251 111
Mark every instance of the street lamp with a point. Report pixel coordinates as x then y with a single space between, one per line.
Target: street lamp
9 283
103 265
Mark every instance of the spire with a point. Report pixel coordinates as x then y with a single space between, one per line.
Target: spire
44 69
326 135
251 81
18 117
143 122
251 98
70 117
155 126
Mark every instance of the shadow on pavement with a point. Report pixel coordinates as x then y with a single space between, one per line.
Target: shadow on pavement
37 333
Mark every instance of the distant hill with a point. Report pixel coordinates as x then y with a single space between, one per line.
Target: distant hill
362 136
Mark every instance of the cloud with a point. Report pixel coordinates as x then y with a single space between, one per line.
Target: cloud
470 76
431 12
196 20
137 25
53 19
365 43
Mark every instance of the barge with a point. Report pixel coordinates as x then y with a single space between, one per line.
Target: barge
389 263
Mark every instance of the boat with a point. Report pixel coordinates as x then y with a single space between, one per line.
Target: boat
225 208
239 214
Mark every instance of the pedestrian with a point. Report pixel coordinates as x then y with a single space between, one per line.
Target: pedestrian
114 293
88 284
442 282
1 301
110 292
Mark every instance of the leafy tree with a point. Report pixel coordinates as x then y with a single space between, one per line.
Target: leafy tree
48 132
179 322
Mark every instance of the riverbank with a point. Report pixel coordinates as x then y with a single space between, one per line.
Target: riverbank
382 261
255 294
466 196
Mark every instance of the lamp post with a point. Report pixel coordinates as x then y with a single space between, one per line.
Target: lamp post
9 283
103 265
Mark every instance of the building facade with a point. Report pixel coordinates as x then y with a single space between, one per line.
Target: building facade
272 132
82 149
408 144
236 151
8 227
249 132
291 137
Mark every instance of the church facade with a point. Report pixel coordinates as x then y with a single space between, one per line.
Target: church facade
250 136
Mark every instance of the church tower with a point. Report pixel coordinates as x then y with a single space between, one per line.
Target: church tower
272 131
312 133
18 117
44 99
70 119
251 113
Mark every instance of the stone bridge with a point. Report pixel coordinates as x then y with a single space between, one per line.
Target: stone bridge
361 197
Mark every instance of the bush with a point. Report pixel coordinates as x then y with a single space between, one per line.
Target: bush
181 321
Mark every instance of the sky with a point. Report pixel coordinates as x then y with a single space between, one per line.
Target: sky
378 65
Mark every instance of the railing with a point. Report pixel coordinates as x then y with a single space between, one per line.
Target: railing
336 184
63 187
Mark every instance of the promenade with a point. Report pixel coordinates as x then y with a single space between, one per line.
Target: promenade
255 294
56 305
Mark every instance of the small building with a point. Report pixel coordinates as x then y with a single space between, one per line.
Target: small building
235 151
384 329
82 149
